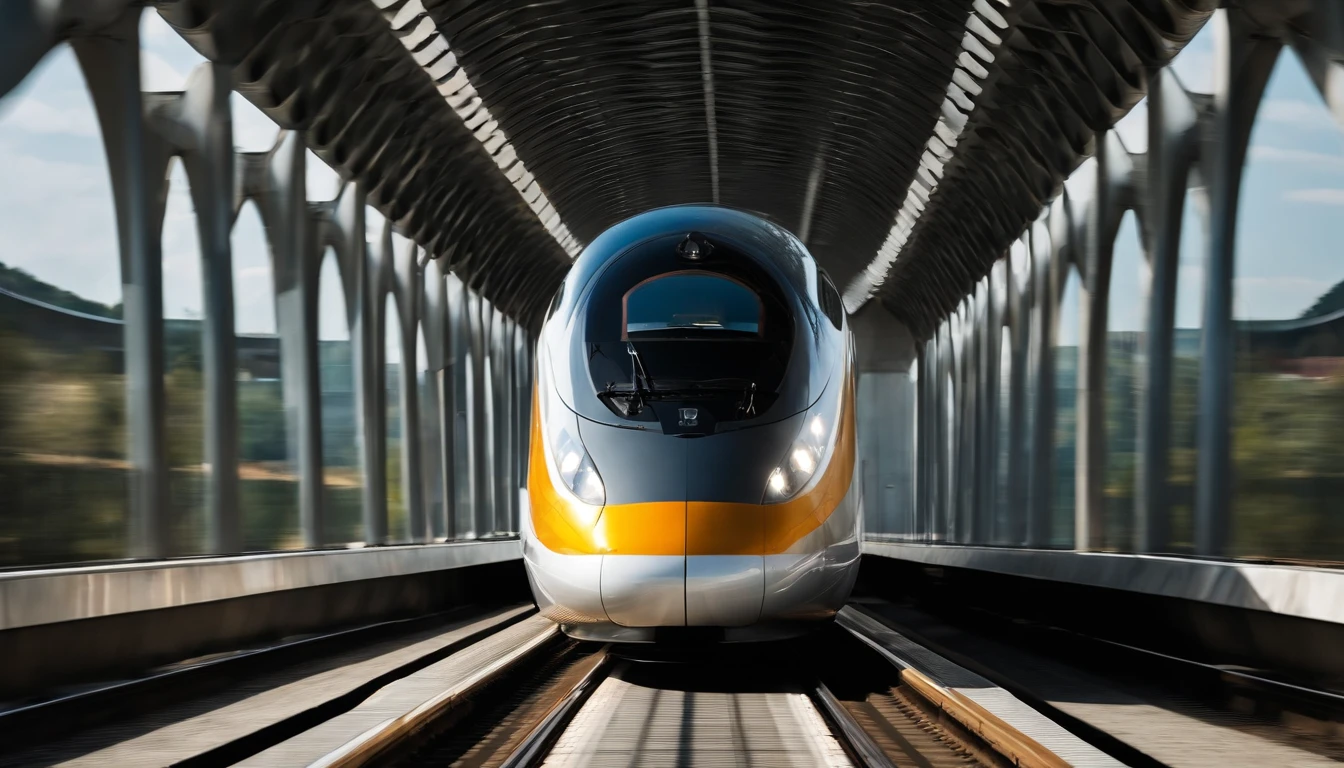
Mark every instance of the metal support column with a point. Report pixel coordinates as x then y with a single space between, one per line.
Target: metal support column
296 255
1018 453
489 417
476 421
523 404
508 496
1102 218
438 344
1243 62
460 422
987 322
1172 130
405 275
1049 277
926 351
204 110
111 64
944 410
368 363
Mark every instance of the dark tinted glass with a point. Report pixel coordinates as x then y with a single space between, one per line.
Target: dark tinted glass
691 301
830 301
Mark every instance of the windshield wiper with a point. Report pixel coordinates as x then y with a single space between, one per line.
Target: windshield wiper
748 406
637 371
640 386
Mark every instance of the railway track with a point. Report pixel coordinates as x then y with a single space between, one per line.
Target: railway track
504 687
821 701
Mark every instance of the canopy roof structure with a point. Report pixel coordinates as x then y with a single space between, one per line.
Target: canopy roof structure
907 143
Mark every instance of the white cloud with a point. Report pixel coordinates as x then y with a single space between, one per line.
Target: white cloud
1275 298
156 30
70 114
331 321
156 74
253 131
322 182
1133 128
1321 196
57 221
1297 112
1194 70
165 58
1305 157
182 286
1194 65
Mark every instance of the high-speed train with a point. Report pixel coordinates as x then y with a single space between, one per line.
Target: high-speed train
692 459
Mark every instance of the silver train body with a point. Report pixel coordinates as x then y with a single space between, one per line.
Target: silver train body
693 449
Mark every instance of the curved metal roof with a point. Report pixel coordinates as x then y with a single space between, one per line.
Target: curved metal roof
812 114
820 116
906 143
336 71
1065 72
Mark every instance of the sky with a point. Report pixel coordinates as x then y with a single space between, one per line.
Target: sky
1291 217
56 215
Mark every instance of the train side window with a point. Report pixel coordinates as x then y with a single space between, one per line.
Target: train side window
829 298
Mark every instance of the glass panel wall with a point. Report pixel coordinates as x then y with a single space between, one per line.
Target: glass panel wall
65 440
1288 310
183 312
268 481
166 61
431 473
1124 349
398 522
341 478
1003 502
1187 338
1066 412
63 462
949 472
911 417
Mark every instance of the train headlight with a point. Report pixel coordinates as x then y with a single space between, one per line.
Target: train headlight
803 458
576 468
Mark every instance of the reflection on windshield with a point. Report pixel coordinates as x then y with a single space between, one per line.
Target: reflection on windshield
692 301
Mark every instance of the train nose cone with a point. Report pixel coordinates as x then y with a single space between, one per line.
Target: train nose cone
724 590
727 531
684 533
644 590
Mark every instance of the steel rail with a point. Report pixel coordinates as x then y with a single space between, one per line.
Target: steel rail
542 737
856 741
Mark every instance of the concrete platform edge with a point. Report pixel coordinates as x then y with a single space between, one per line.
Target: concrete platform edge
1303 592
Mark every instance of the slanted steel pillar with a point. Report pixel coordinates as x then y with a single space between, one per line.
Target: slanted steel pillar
1172 148
1244 61
476 418
406 284
111 65
523 407
368 361
439 386
503 418
1049 275
277 181
461 423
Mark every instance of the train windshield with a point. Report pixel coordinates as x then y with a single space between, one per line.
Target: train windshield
684 305
661 335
